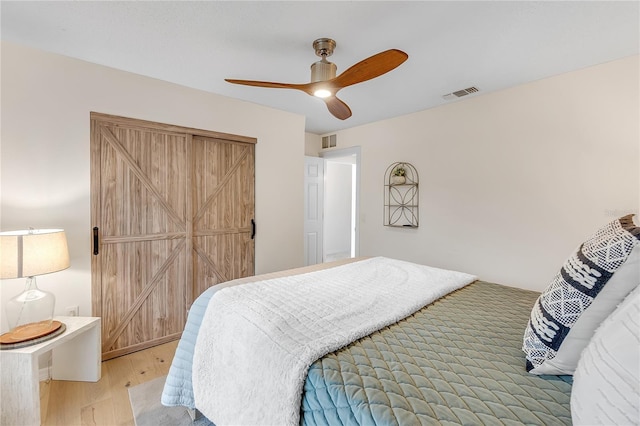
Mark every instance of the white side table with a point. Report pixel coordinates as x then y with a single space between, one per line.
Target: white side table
76 355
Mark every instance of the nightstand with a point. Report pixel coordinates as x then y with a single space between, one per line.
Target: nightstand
76 355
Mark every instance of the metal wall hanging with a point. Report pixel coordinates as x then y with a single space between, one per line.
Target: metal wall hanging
401 196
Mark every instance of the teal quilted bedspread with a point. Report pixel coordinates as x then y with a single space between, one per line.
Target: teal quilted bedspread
457 361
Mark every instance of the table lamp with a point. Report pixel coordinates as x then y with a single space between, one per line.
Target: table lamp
29 253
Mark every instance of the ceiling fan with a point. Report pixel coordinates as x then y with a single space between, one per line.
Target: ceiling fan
324 83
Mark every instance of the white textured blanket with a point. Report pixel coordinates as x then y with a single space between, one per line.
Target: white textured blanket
258 340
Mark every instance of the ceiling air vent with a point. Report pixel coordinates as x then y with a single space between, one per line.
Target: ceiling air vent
460 93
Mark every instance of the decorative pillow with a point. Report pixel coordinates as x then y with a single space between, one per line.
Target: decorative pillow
607 380
589 286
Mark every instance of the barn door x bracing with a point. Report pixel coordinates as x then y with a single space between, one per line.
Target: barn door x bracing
173 214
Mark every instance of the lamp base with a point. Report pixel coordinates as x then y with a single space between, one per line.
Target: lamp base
30 332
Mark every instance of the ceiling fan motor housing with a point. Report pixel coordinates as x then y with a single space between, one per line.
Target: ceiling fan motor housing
323 70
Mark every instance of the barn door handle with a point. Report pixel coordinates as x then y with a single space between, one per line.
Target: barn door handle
95 241
253 229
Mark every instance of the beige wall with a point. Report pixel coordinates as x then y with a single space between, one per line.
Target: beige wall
46 101
312 144
511 181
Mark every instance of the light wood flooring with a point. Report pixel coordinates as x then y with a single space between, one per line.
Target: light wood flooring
107 401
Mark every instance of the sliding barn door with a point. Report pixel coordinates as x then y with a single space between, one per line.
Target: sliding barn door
172 211
223 211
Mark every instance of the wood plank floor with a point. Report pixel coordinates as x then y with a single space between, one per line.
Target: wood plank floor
107 401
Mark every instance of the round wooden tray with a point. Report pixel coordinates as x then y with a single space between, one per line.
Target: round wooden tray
32 331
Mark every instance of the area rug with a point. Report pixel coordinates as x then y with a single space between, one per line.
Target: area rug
149 411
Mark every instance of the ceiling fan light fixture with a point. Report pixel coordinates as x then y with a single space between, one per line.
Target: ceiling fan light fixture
322 93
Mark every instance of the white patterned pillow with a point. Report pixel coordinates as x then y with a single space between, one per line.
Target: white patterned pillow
607 380
590 284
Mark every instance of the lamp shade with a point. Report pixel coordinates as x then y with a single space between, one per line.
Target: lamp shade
32 252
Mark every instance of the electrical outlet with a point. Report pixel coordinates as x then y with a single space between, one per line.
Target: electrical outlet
73 311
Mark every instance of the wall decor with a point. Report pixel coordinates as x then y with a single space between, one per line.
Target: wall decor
401 195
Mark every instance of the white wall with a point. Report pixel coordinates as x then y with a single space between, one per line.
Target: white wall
510 181
46 101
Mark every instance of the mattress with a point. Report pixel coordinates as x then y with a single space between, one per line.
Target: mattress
456 361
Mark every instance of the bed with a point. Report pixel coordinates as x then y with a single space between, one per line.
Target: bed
383 342
457 360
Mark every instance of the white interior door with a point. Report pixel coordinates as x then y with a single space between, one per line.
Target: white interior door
313 209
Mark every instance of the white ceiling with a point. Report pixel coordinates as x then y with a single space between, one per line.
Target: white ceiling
452 45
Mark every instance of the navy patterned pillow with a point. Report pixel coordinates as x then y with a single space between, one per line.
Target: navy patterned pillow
590 285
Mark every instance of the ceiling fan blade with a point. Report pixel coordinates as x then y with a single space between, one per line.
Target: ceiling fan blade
267 84
338 108
372 67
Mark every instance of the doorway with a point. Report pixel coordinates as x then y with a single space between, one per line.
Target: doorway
332 197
